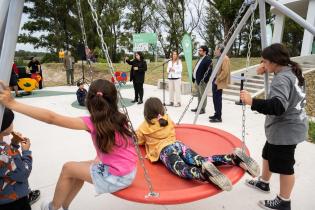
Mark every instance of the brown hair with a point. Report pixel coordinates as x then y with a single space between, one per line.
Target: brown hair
177 59
153 107
278 53
101 101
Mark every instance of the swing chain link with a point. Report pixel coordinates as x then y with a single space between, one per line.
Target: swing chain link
246 71
123 106
84 35
239 15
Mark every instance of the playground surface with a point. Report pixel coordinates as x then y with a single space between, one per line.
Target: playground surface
52 146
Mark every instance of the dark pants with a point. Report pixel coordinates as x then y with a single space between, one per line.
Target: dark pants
21 204
70 77
138 87
217 100
186 163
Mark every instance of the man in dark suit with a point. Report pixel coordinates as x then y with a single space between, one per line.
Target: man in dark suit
201 75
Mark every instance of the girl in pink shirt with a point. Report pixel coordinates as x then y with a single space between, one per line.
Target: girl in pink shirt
111 137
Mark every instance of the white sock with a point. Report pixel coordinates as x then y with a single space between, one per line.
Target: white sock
264 181
284 199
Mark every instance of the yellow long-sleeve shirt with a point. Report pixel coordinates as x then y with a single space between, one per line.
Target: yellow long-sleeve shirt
156 137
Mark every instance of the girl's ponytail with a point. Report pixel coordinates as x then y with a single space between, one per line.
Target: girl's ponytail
162 121
296 69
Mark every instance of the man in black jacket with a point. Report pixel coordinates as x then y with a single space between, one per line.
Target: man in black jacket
201 75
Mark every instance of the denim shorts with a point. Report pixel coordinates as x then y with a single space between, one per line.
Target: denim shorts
104 182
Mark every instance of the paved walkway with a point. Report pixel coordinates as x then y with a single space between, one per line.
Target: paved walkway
52 146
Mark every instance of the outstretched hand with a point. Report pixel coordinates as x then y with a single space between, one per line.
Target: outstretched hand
246 97
5 95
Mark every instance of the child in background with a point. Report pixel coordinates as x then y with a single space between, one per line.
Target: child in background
81 93
157 133
111 137
14 167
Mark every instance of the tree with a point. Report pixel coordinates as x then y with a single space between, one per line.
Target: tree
211 28
170 22
52 19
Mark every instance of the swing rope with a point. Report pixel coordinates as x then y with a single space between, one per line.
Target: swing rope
123 106
84 37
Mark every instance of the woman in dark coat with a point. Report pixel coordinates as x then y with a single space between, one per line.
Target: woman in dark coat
137 73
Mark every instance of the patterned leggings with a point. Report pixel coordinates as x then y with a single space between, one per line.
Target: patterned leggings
186 163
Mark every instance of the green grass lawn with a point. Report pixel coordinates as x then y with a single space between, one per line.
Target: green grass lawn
155 69
311 131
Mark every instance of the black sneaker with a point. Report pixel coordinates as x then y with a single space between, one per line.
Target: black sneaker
134 101
259 185
212 117
33 196
275 204
216 120
170 104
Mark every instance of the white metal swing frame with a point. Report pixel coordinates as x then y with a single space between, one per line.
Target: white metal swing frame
10 18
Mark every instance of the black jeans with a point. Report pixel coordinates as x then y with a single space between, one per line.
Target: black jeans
138 87
217 100
20 204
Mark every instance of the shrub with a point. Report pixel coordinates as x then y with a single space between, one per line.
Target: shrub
50 58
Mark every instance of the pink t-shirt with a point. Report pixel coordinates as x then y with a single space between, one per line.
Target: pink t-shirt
122 159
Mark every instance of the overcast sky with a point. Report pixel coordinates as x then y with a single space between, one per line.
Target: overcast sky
27 47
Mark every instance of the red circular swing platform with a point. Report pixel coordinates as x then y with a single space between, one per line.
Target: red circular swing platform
174 190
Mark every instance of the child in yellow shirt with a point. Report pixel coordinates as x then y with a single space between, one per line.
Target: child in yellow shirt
157 133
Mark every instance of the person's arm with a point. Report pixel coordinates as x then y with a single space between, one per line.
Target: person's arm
225 70
271 106
143 66
141 138
40 114
22 162
129 61
169 66
179 67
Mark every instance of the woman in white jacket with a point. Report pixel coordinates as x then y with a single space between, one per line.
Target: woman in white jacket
174 70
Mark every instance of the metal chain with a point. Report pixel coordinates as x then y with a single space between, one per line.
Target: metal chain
123 106
186 108
246 71
239 15
84 35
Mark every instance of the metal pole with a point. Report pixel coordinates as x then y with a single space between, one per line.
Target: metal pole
262 17
9 42
4 7
298 19
250 10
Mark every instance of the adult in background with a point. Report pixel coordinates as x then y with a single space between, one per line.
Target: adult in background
285 124
68 64
14 80
174 70
137 74
201 75
61 55
35 68
220 82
